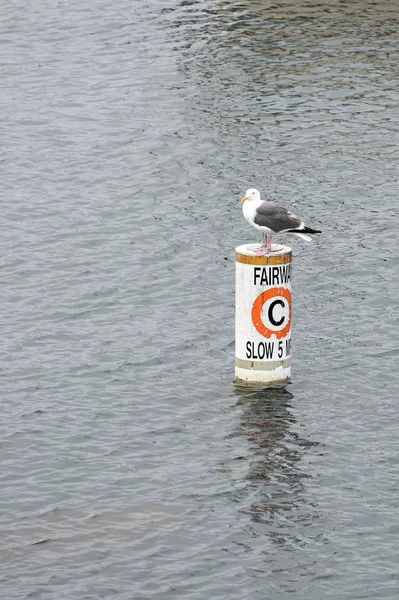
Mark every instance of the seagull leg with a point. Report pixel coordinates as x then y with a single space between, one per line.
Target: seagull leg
264 241
265 247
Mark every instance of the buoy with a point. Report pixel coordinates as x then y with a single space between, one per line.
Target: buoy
263 315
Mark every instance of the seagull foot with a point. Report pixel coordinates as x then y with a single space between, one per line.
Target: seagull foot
262 251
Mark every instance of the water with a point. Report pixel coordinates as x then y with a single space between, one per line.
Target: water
131 467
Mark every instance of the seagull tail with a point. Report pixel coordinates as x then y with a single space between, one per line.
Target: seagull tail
307 229
303 230
302 236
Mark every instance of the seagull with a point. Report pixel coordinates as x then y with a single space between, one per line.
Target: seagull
270 218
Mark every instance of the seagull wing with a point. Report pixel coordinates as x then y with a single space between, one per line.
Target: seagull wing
276 218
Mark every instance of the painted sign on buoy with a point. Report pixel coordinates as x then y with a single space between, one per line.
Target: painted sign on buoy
263 315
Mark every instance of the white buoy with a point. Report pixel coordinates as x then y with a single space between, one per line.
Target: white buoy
263 315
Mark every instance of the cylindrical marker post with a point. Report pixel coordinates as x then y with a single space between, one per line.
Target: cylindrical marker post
263 315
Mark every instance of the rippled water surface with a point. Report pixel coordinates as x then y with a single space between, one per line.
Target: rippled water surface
130 465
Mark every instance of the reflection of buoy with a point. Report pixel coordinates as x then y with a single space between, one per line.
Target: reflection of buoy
263 315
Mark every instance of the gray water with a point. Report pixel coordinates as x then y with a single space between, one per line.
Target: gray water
131 467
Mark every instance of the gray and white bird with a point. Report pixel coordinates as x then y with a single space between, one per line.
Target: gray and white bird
270 218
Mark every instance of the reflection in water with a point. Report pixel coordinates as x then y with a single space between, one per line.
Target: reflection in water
268 423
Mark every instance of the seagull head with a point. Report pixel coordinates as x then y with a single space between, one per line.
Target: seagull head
251 194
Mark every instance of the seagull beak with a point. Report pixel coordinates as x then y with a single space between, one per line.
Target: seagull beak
245 198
